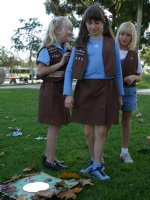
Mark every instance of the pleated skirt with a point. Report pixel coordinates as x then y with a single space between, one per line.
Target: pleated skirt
96 102
51 104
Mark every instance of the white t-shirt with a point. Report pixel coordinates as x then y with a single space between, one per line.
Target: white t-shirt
122 57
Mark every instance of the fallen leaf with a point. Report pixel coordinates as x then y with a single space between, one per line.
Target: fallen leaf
29 168
76 190
61 184
138 115
1 153
141 120
68 175
66 194
84 182
45 193
13 178
10 189
22 198
28 175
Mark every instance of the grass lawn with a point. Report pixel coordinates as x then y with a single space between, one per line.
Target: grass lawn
145 82
18 108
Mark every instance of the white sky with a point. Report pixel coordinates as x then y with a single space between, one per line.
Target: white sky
12 10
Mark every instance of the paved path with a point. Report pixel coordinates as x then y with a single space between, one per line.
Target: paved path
37 86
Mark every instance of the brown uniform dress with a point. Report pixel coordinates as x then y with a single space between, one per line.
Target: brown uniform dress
96 101
51 100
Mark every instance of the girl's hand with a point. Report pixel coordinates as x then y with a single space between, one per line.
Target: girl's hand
129 79
69 102
65 58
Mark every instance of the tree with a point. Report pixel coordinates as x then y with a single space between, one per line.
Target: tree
27 38
122 10
7 58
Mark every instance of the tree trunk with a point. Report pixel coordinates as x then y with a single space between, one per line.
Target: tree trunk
139 22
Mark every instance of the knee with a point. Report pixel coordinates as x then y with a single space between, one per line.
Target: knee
88 130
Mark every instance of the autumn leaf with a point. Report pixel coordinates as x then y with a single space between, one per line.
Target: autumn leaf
68 175
62 184
1 153
13 178
148 139
76 190
141 120
45 193
138 115
66 194
28 175
9 189
22 198
29 168
84 182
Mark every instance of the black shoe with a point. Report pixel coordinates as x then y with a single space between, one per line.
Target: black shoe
60 161
55 165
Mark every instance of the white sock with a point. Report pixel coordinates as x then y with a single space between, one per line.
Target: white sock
124 151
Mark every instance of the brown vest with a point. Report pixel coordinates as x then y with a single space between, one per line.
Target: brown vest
81 59
130 64
55 57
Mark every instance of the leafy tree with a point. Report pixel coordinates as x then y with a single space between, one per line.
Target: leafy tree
27 38
7 58
122 10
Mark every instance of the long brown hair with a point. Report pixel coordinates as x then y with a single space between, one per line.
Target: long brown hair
96 13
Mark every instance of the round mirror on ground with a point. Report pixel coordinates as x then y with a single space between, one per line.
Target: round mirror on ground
35 187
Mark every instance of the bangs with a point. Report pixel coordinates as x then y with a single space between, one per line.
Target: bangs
94 14
126 29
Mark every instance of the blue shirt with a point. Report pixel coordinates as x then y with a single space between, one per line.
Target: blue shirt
95 66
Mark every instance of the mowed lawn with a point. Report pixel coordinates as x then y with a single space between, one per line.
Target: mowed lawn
19 107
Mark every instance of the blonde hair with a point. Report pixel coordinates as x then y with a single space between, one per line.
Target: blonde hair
57 22
128 27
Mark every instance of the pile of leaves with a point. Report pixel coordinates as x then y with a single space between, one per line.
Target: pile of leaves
62 189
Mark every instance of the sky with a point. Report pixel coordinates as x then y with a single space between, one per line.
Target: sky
12 10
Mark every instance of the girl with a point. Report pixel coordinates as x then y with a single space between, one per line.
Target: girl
131 69
51 64
96 99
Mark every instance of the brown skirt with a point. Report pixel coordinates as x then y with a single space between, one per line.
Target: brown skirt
96 102
51 104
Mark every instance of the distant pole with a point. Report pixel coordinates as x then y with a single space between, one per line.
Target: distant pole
139 22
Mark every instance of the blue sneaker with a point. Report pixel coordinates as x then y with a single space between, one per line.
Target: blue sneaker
88 168
99 174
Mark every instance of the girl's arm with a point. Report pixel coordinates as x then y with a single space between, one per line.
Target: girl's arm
68 75
118 77
43 61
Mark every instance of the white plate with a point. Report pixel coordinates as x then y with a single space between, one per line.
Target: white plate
35 187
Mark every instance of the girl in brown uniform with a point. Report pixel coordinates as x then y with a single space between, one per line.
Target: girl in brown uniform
95 63
51 64
131 70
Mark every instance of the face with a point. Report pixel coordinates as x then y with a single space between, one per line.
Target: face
95 28
63 34
125 39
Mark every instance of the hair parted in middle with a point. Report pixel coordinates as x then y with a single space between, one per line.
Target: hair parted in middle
96 13
128 27
55 23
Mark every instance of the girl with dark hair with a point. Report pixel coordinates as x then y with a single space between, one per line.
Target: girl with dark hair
95 64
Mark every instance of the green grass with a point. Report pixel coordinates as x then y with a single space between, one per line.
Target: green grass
145 82
18 108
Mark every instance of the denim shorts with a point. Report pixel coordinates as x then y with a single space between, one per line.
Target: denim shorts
129 99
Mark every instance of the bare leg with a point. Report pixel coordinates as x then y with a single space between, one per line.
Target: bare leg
89 134
51 142
100 135
126 128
